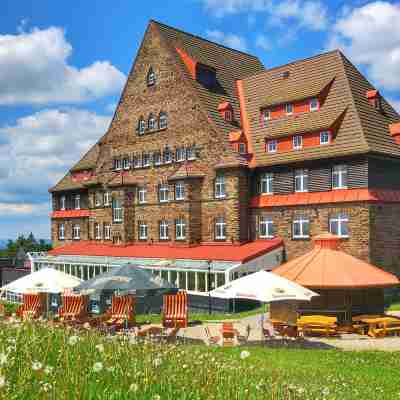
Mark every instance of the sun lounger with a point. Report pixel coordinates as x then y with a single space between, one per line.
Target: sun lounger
317 325
175 310
33 306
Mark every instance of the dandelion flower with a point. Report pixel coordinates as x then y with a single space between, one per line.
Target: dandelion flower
134 387
157 362
3 358
97 367
36 365
2 381
73 340
244 354
48 370
100 348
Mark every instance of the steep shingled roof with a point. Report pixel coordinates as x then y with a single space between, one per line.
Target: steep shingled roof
361 128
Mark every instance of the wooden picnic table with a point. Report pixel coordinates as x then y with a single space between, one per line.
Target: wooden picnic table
380 326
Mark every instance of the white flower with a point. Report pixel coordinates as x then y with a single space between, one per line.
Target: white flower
36 365
157 362
46 387
48 370
244 354
3 358
86 325
100 348
156 397
134 387
73 340
2 381
97 367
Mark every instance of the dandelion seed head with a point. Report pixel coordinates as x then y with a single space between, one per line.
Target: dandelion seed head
244 354
36 365
97 367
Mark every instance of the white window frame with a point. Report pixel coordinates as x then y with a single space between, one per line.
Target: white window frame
324 135
180 154
126 163
146 160
301 177
167 156
142 192
63 203
267 183
180 190
163 193
220 228
117 211
61 231
220 187
157 157
301 221
107 232
77 202
76 230
141 126
137 161
339 219
163 230
316 107
107 198
163 120
242 148
97 199
266 116
191 153
151 77
97 231
151 122
297 142
142 230
180 229
289 108
118 164
272 146
267 224
341 172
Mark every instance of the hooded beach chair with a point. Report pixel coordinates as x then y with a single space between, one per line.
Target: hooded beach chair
33 306
74 308
175 310
122 312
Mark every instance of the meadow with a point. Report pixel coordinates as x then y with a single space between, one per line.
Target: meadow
38 361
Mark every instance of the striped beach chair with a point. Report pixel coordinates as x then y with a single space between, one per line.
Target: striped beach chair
175 310
33 306
74 308
122 312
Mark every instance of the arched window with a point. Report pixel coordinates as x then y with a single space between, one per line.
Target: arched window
151 77
141 126
163 120
151 122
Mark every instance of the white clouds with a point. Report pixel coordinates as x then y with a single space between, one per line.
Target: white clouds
228 39
39 149
395 104
24 209
221 8
370 35
263 42
34 70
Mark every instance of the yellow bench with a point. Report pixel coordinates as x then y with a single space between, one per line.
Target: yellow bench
317 324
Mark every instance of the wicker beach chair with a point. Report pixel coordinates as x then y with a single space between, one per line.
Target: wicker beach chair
74 309
121 315
33 306
175 310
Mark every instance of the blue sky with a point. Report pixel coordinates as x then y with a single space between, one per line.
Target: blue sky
63 65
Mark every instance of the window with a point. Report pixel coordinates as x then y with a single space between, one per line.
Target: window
339 177
220 228
163 120
151 123
142 231
97 199
142 195
167 155
137 161
289 108
339 225
242 148
61 231
107 198
107 232
228 116
180 154
219 188
266 228
97 231
126 164
117 164
146 159
324 137
157 158
266 116
163 193
301 228
76 232
297 142
314 104
267 183
272 146
163 230
141 126
77 202
180 229
301 180
179 191
151 77
191 153
63 202
117 210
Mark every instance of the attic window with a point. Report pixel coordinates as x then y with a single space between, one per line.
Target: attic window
151 77
228 115
285 74
374 99
226 111
206 76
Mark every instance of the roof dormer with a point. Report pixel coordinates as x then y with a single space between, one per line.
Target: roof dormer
226 111
374 99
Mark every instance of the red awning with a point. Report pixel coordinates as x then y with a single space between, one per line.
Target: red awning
70 214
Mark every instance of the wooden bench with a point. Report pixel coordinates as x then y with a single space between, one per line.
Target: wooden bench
175 310
317 325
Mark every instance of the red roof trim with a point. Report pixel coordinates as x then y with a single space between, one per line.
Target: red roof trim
334 196
234 252
71 214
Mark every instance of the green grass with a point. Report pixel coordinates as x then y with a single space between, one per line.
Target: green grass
394 306
40 362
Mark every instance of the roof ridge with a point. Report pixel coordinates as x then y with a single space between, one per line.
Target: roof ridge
202 38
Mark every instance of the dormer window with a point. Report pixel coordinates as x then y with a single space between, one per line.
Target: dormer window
374 99
228 115
163 120
324 137
226 111
266 116
289 108
314 104
151 123
297 142
151 77
206 76
141 126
